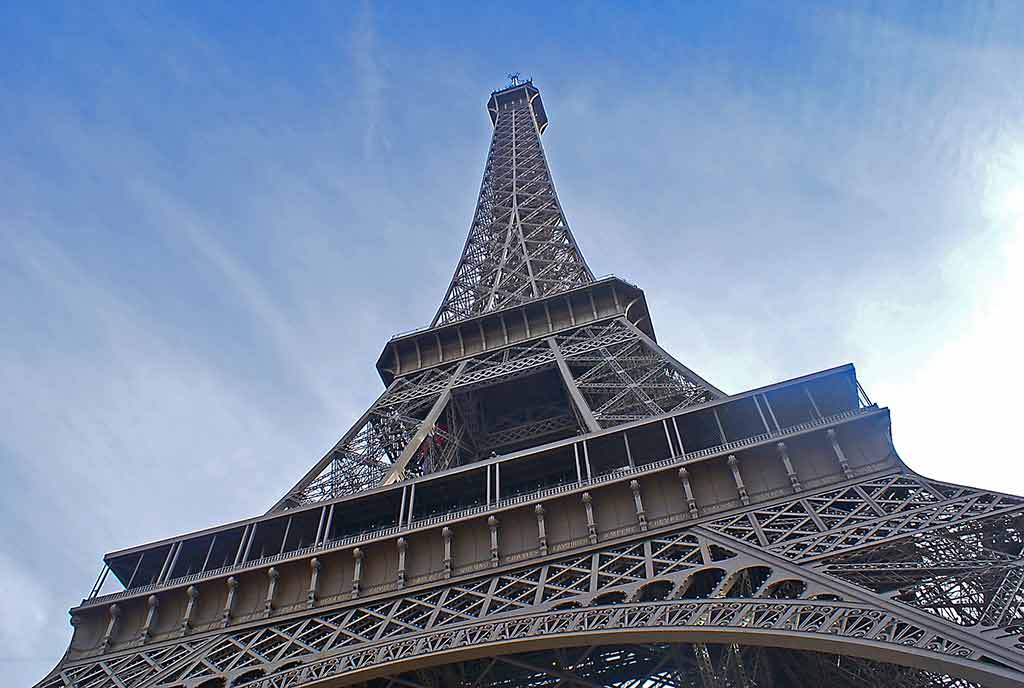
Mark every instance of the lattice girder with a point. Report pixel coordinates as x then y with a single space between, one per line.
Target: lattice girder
970 574
620 374
520 246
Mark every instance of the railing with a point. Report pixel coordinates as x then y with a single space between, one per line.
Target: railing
537 495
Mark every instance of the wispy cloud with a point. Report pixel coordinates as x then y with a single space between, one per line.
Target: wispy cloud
104 415
248 290
370 81
29 643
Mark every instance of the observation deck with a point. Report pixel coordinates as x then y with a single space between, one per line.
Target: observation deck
813 415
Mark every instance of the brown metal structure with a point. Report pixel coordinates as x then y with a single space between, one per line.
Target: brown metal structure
543 496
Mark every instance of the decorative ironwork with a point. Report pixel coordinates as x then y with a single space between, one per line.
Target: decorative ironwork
687 579
622 378
968 573
862 514
625 380
861 627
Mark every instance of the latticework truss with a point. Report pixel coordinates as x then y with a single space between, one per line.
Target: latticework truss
519 247
627 380
430 422
969 574
361 459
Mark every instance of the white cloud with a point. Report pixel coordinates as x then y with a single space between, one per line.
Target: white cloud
953 409
370 80
27 645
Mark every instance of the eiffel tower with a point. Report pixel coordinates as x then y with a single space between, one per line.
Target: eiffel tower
543 496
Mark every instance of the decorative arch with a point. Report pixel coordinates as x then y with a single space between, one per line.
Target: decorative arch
747 582
609 598
701 584
655 591
833 627
786 589
571 604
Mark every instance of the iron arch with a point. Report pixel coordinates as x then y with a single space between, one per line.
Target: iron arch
830 627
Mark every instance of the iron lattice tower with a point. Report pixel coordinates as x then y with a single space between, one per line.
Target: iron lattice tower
542 496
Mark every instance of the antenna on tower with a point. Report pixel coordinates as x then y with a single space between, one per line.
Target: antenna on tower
513 79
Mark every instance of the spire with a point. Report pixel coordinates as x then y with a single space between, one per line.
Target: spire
520 246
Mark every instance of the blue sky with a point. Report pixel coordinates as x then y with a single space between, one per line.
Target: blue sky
212 218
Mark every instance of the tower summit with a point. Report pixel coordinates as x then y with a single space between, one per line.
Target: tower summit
542 495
